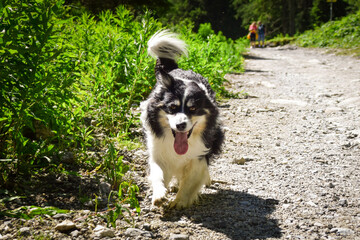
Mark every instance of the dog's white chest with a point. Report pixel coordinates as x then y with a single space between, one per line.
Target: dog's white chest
163 148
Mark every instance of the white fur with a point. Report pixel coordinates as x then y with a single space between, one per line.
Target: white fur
179 118
190 172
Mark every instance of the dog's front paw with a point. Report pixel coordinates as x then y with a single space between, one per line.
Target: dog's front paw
181 203
158 197
158 201
176 204
174 189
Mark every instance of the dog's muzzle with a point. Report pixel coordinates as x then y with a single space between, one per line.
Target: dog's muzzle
181 144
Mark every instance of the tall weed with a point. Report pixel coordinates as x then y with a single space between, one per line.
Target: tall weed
113 65
36 78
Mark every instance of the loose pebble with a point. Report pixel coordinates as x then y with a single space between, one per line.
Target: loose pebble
65 226
179 237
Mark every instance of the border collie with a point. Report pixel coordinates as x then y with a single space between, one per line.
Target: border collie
181 123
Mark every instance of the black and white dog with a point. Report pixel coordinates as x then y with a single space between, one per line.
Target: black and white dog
181 123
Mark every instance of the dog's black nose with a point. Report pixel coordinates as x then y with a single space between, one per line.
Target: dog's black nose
181 126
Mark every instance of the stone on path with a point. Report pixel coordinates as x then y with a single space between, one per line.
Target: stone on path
103 232
65 226
179 237
289 102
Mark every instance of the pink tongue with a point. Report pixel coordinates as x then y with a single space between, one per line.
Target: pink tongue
181 144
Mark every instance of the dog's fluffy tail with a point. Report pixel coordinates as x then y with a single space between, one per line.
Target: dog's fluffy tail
165 44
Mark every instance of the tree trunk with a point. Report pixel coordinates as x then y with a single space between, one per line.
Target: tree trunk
292 10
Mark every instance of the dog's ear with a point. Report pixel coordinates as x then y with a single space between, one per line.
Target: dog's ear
164 78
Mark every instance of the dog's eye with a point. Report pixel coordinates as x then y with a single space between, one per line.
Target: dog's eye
173 107
192 109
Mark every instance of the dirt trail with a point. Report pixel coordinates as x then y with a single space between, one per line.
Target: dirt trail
299 132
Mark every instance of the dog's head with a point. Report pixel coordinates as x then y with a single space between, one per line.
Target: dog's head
186 105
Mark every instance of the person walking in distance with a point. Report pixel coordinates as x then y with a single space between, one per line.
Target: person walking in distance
253 31
261 34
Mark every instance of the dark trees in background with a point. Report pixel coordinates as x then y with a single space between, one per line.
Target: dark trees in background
232 17
220 13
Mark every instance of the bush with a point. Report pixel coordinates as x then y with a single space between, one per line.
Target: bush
113 66
205 31
343 33
213 57
36 93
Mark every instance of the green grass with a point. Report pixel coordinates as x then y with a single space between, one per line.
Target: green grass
342 34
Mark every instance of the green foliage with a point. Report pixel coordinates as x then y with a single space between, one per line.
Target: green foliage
36 75
57 74
126 195
281 40
29 212
113 167
354 4
343 33
205 31
113 62
213 57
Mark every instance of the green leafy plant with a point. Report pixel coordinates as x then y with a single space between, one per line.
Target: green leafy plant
114 167
123 196
343 33
205 31
125 201
113 65
280 40
36 77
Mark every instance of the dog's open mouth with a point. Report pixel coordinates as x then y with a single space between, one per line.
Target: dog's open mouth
181 145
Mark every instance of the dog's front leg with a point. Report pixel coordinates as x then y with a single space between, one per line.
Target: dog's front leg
159 181
194 176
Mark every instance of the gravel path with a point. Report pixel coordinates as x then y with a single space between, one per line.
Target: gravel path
289 170
300 135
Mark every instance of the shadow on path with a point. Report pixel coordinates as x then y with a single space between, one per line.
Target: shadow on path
255 70
236 214
253 57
